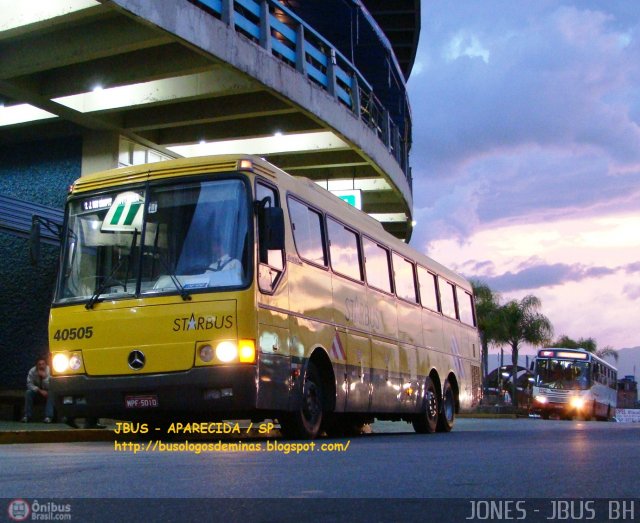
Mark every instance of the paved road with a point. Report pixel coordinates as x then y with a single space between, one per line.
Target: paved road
524 458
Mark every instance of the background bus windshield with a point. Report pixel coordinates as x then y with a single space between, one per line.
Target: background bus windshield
195 234
563 374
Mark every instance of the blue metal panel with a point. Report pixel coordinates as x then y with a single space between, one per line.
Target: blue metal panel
308 47
16 216
251 6
283 29
343 95
317 75
343 77
285 51
215 5
247 25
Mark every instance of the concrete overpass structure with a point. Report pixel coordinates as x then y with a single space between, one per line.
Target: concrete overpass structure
143 80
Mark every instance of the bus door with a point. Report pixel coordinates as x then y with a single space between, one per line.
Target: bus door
273 337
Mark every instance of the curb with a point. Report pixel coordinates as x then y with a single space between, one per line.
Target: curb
485 415
55 436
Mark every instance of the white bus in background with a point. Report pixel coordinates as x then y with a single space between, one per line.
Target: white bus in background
574 383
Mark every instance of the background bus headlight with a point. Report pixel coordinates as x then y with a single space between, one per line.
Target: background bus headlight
60 363
577 403
541 399
226 351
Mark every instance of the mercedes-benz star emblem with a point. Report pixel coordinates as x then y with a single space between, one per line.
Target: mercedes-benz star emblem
136 359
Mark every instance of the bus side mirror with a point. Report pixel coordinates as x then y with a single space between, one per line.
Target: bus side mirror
271 228
34 241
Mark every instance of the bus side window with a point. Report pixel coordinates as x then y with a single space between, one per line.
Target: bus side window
376 260
428 289
404 279
465 307
343 250
448 298
306 224
270 269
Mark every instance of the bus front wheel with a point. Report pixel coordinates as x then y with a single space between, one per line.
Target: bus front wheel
427 421
305 422
447 409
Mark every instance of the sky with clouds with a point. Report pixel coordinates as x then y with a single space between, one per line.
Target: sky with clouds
526 154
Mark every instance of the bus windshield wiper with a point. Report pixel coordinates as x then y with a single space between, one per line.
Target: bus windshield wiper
109 279
183 292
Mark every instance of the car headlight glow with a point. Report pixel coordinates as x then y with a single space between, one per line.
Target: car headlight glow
541 399
60 363
577 403
226 351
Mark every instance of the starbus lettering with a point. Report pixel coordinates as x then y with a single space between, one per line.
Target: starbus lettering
199 323
359 313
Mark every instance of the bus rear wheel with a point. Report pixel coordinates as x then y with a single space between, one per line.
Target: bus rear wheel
427 421
447 414
305 422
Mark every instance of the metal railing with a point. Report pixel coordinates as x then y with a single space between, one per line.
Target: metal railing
280 31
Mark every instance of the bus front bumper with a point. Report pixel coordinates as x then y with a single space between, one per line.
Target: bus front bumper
199 393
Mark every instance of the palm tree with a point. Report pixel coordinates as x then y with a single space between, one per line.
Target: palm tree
487 307
521 322
608 350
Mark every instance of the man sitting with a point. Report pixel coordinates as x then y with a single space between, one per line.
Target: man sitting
38 388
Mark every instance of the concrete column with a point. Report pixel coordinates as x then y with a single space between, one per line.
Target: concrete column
265 26
331 72
227 13
99 151
355 96
301 60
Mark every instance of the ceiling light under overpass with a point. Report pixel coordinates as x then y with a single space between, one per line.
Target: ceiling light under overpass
318 141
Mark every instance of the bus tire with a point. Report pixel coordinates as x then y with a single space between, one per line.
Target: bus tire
447 415
427 421
305 422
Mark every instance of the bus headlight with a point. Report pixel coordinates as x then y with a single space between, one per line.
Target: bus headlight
67 362
541 399
577 403
226 351
60 363
75 362
206 353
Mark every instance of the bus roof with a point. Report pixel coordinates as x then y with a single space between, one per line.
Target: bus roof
302 187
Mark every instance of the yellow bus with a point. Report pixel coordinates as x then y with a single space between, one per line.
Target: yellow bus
224 288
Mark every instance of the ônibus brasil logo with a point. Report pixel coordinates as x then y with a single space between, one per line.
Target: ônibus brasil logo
19 510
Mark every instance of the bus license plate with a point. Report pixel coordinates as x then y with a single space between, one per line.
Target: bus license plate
141 402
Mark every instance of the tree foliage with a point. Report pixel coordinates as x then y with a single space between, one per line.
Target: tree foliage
521 322
488 319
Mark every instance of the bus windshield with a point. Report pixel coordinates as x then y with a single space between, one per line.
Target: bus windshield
161 239
563 374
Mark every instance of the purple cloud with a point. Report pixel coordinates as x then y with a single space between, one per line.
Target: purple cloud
522 111
544 276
